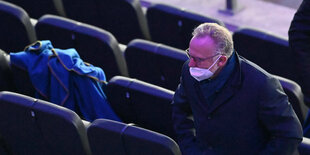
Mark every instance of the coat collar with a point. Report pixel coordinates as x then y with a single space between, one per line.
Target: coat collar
229 89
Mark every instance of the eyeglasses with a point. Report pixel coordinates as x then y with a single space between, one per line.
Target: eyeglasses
199 60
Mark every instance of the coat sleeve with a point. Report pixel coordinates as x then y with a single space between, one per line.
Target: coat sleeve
183 123
299 39
279 119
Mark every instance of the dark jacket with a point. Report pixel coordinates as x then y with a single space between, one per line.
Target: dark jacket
251 115
299 41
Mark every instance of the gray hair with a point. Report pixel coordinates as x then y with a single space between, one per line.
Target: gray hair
221 36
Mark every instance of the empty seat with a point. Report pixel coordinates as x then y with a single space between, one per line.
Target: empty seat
123 18
267 50
155 63
110 137
144 104
173 26
295 96
16 30
94 45
37 8
31 126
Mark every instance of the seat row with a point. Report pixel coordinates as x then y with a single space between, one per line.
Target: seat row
173 28
124 19
31 126
152 63
145 60
100 47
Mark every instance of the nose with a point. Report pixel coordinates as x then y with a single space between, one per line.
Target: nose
191 63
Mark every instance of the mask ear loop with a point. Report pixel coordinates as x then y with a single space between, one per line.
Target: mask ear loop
214 62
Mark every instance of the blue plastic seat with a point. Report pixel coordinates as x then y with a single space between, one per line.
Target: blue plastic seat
31 126
144 104
123 18
94 45
173 26
155 63
110 137
269 51
16 30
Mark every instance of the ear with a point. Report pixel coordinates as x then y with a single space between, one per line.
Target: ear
222 60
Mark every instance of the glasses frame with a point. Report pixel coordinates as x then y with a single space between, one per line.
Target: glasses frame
199 60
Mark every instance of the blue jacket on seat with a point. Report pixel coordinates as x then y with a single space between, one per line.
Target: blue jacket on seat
61 77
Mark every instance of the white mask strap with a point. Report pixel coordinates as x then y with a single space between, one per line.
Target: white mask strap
214 62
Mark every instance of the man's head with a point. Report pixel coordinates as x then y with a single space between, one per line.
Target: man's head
210 47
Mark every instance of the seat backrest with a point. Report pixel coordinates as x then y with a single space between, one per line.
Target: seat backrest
173 26
16 30
12 78
6 77
266 50
144 104
94 45
36 8
155 63
123 18
21 80
31 126
304 147
110 137
295 96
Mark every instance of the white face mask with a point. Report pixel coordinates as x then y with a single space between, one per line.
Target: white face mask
200 73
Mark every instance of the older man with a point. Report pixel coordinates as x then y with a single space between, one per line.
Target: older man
225 104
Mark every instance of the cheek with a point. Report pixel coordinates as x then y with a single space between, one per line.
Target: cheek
191 63
214 68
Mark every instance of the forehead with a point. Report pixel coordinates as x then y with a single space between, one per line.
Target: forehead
203 43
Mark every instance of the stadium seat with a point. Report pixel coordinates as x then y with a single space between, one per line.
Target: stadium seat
21 81
95 46
6 77
16 30
13 78
155 63
173 26
269 51
110 137
123 18
144 104
31 126
295 96
37 8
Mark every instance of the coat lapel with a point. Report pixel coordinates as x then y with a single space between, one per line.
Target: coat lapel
201 99
229 88
222 98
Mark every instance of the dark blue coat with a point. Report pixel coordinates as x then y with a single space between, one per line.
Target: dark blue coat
250 115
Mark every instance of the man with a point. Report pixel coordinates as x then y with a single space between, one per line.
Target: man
299 40
225 104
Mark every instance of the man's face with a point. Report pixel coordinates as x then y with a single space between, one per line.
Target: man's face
202 51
